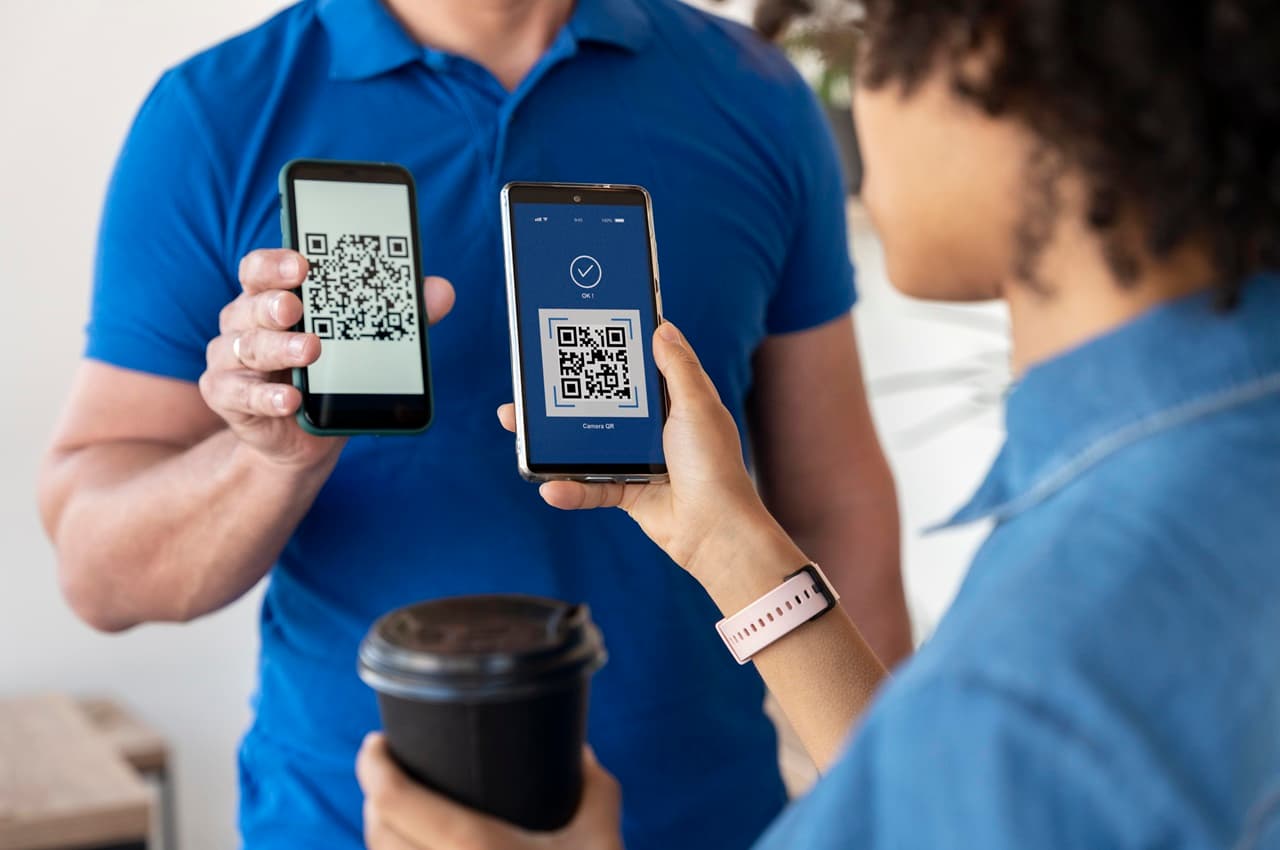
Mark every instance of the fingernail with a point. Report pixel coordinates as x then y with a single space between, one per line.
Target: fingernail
669 333
296 346
277 399
275 307
289 267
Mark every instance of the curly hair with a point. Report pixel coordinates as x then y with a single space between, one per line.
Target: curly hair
1170 110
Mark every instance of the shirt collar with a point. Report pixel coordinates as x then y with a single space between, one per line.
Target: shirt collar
620 23
366 40
1175 363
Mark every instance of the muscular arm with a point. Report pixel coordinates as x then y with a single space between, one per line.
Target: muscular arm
156 509
822 473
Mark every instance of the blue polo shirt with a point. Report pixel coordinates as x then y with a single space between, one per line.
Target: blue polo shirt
750 225
1109 675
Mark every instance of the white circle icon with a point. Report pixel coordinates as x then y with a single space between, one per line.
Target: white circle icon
585 271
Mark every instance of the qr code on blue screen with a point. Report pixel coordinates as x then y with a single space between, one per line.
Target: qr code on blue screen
360 287
593 363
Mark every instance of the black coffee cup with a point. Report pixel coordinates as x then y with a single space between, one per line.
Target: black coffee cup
484 699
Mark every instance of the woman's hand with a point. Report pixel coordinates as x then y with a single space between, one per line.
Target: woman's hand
400 814
710 502
711 522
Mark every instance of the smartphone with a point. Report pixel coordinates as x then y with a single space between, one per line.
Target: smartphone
583 303
357 225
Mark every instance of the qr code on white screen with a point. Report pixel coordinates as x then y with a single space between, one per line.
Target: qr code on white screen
360 287
593 363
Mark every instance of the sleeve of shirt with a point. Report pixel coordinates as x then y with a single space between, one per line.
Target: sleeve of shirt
960 766
817 282
160 274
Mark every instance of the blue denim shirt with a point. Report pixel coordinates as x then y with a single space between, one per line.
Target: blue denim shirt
1109 675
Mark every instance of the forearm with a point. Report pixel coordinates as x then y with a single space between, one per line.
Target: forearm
857 540
823 674
150 532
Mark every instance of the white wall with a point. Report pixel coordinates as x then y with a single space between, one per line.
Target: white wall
72 73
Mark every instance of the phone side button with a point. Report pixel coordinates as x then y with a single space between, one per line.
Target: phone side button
600 479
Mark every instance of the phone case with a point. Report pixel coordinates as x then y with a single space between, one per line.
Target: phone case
522 458
286 241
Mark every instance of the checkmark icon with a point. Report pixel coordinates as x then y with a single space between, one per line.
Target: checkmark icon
585 271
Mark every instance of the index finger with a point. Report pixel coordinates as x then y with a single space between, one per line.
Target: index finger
272 268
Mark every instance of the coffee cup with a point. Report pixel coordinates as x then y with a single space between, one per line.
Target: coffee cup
484 699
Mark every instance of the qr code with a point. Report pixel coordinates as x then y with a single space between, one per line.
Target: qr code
593 363
360 287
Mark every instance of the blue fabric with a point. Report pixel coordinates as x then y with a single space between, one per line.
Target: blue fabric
1109 675
750 226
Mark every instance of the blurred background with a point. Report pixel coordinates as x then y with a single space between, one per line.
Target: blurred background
72 74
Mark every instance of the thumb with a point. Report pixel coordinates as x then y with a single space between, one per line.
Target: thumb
688 385
439 296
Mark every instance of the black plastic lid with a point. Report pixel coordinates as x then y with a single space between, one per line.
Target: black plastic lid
477 648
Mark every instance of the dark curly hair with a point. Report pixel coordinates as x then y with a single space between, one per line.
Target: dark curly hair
1171 109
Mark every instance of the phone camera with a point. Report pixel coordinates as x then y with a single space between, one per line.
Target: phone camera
577 199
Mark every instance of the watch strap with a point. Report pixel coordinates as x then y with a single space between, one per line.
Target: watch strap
802 597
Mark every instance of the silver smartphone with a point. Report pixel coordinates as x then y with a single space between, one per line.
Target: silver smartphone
583 301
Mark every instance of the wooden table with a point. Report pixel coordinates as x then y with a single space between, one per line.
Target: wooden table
62 783
141 746
144 749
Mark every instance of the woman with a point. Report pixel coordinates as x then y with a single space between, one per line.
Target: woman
1109 675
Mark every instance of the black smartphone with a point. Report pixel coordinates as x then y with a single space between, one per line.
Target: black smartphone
584 302
357 225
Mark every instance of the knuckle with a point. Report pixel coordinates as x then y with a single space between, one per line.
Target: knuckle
263 311
384 795
248 263
276 308
211 352
260 310
245 349
687 359
245 395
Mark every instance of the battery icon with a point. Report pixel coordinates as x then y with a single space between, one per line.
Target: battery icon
619 220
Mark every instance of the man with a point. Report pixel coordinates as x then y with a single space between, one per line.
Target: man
167 499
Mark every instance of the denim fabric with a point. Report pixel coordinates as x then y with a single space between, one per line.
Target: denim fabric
1109 674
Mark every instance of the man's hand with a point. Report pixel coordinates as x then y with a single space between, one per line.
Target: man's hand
167 501
246 380
399 814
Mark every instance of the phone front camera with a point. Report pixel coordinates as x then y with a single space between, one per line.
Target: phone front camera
577 199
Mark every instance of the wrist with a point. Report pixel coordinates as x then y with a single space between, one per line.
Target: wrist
293 472
743 559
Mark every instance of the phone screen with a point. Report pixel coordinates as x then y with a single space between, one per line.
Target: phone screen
587 308
360 295
356 224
